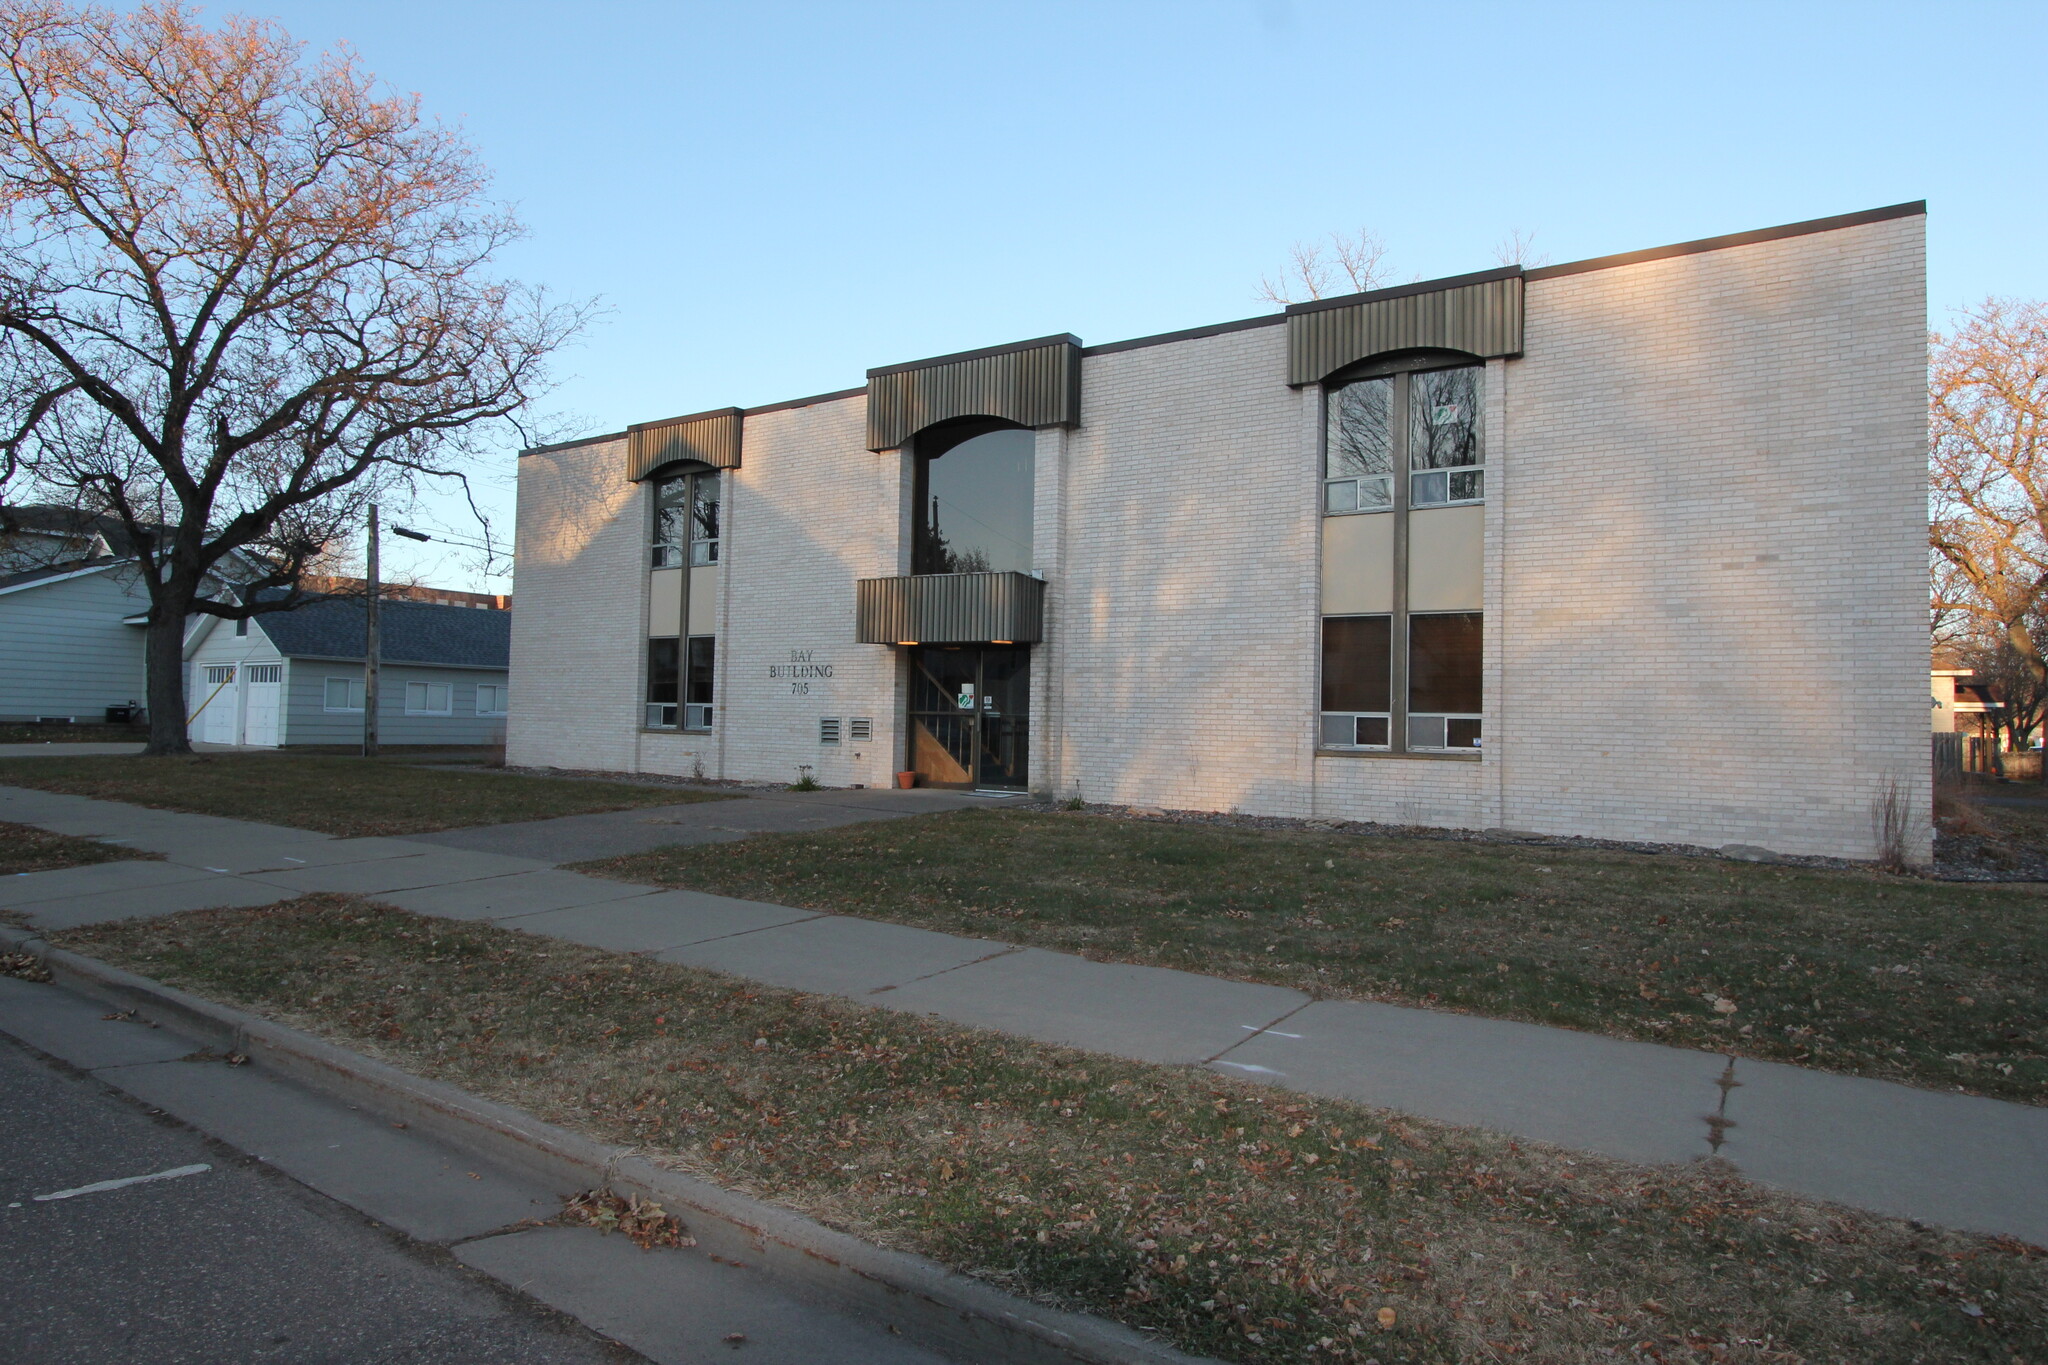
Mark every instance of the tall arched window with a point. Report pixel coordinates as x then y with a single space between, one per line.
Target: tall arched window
974 488
686 519
1404 458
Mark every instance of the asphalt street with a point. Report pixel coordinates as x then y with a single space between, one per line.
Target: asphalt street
231 1264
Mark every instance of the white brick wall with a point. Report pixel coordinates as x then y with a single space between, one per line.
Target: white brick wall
1188 601
1704 576
579 610
811 512
1715 545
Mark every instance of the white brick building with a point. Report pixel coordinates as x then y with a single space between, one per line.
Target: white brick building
1631 547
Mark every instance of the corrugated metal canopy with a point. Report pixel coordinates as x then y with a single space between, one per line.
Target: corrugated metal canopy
1478 314
1032 383
951 609
711 438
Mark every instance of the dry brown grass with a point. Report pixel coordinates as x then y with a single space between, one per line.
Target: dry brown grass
24 848
1237 1221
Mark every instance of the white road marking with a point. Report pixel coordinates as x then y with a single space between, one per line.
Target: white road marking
103 1186
1246 1066
1271 1032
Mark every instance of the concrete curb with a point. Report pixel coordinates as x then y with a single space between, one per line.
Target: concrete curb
930 1304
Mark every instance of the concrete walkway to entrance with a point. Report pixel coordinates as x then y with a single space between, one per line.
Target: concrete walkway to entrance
609 834
1951 1159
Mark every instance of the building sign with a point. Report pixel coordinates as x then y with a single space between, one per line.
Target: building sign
804 668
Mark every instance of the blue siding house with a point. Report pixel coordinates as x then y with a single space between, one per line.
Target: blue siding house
296 677
73 645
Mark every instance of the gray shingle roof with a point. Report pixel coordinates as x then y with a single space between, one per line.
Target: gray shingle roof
413 633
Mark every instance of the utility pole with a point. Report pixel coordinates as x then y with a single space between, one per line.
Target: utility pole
370 647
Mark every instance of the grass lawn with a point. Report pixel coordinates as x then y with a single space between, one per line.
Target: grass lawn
1238 1222
345 796
1939 984
73 734
24 848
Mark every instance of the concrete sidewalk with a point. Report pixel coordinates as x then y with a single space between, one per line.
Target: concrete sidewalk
1951 1159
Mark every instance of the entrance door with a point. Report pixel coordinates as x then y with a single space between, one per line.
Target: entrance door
259 725
970 716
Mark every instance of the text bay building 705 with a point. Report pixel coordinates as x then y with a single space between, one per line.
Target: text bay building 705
1631 547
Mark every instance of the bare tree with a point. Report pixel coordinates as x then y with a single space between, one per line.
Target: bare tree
1517 248
1988 480
2021 693
242 294
1315 270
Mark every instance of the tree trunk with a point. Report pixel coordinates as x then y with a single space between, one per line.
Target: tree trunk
164 654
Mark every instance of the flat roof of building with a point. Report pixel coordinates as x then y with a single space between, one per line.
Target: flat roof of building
1910 209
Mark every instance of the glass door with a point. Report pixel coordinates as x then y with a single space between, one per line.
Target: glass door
1005 720
970 716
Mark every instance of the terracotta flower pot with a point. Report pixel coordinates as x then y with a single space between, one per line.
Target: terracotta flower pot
906 780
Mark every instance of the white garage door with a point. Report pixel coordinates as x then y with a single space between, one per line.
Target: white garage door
218 705
262 685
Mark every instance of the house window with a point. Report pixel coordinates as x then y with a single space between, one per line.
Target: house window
1406 443
1358 451
1357 682
266 673
1445 448
686 520
1444 656
664 679
241 627
216 674
343 694
697 683
973 490
429 699
490 699
1446 451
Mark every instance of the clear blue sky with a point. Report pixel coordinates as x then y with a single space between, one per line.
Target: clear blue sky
772 197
